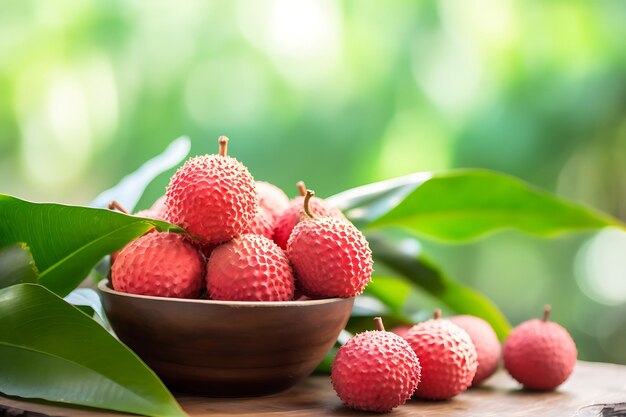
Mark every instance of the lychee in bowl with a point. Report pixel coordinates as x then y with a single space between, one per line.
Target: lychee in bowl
225 348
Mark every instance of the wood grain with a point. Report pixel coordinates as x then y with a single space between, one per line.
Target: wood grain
593 390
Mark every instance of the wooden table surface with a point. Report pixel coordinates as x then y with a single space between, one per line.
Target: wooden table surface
593 390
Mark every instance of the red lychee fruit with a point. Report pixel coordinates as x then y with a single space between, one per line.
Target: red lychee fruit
249 268
375 371
262 224
159 205
447 356
290 217
540 354
159 264
212 196
148 213
401 330
486 342
330 257
271 198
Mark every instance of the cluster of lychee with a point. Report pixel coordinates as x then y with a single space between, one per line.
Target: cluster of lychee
246 241
440 358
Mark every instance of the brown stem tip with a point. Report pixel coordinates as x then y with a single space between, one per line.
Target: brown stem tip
546 312
379 324
301 188
437 314
309 194
114 205
223 141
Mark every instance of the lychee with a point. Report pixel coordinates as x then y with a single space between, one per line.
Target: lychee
331 257
447 356
150 213
159 264
486 342
249 268
290 217
262 224
212 196
540 354
159 205
271 198
375 371
401 330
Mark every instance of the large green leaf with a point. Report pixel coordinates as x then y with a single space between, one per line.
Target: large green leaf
466 204
16 265
67 241
421 273
51 350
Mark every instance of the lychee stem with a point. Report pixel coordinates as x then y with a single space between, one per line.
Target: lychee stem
114 205
301 188
223 141
546 312
307 198
437 314
379 324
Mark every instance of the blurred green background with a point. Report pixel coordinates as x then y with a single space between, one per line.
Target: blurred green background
340 94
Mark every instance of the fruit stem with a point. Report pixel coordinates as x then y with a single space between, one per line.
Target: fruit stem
223 141
379 324
114 205
546 312
437 314
307 198
301 188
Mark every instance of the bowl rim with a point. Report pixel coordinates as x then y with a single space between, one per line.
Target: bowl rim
104 286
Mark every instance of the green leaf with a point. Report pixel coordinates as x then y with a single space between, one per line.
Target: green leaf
16 265
67 241
421 273
50 350
87 298
390 291
465 204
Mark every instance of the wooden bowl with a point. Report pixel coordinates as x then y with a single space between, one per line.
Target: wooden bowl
226 348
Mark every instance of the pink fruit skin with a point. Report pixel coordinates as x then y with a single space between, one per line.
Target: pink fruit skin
249 268
447 356
540 354
486 342
159 264
375 371
330 257
271 198
262 224
213 197
401 330
290 217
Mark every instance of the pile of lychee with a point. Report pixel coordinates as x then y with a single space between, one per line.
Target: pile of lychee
440 358
246 241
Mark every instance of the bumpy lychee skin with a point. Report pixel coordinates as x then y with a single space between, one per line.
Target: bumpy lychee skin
249 268
271 198
159 264
153 212
375 371
486 342
291 216
212 196
447 356
540 354
330 257
262 224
